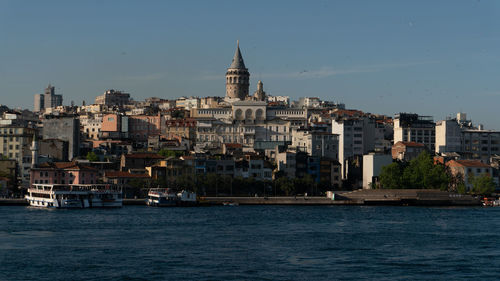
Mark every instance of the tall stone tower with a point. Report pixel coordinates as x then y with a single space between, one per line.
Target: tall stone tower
237 77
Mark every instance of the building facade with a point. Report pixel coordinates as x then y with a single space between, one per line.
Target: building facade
410 127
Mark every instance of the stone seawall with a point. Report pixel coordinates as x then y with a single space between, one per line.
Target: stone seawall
415 197
299 200
13 202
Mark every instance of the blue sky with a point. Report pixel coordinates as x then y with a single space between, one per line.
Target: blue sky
429 57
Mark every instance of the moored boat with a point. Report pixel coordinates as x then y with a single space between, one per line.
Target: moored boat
165 197
161 197
108 197
74 196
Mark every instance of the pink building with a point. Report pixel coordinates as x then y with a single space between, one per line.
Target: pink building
111 123
114 126
142 126
63 173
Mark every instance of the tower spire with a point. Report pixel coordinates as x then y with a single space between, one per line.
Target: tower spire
237 77
238 62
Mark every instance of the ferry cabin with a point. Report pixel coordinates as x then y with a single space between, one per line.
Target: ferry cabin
74 196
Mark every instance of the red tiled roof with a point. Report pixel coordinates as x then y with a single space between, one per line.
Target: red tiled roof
65 166
119 174
410 143
467 163
348 112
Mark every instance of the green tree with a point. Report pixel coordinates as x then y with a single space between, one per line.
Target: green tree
170 153
286 186
421 172
137 187
483 184
390 177
92 157
187 182
461 188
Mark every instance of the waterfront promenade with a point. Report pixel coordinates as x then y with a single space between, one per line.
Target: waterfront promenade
403 197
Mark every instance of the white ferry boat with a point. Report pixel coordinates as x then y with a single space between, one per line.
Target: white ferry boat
187 198
74 196
165 197
105 196
161 197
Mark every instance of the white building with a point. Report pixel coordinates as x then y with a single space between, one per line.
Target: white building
356 137
91 125
188 103
372 167
448 136
279 99
412 127
318 144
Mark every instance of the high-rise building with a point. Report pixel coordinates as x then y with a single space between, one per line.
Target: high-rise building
39 103
47 100
51 100
237 77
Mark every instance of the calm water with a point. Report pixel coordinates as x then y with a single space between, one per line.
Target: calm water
250 243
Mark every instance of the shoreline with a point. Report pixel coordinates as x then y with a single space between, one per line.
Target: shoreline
353 198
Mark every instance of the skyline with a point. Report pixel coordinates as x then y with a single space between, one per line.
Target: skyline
429 58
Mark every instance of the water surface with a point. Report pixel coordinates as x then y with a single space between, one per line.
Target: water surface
250 243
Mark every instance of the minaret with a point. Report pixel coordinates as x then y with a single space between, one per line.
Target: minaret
34 152
259 95
237 77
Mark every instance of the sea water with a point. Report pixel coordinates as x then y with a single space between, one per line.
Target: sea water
250 243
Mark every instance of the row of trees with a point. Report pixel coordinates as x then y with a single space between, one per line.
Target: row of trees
421 172
223 185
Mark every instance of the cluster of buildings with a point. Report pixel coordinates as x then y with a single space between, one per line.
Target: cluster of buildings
244 135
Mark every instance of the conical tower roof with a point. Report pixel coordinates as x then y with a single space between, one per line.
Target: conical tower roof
238 62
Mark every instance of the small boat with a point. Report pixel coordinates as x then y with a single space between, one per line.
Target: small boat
230 204
491 202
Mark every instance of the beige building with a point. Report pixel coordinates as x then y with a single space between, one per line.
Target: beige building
468 168
91 125
113 98
320 144
15 144
185 128
407 150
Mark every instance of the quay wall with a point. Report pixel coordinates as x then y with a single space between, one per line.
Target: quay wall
291 200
